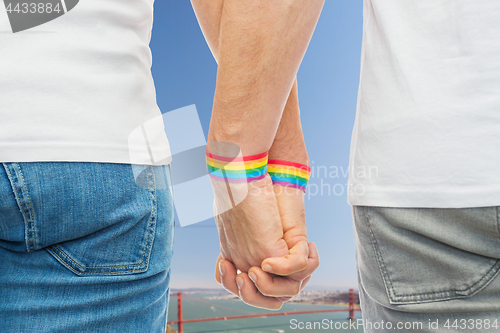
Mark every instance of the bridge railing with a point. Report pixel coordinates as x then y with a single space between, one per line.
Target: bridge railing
180 321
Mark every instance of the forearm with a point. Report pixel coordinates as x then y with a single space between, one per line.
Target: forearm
288 142
259 49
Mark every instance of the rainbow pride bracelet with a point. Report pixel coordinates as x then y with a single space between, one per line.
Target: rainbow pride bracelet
238 169
289 174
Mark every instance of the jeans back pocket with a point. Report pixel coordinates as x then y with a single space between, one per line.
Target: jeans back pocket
427 255
91 217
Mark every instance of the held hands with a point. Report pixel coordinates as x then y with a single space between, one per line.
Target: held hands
265 237
250 231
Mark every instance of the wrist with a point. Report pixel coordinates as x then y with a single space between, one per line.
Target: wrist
289 174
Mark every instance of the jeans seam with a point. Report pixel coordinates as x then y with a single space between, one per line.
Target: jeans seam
28 222
90 273
380 260
31 208
151 226
93 267
491 272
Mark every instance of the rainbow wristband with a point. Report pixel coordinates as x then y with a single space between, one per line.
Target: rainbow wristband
239 169
289 173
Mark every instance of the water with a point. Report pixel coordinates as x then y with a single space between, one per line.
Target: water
280 324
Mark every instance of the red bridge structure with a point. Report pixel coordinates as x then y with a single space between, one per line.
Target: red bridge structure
180 321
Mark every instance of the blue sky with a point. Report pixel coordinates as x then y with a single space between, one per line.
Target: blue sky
185 73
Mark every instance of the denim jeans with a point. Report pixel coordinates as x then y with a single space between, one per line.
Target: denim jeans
84 248
438 267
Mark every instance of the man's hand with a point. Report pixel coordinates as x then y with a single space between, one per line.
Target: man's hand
278 278
252 230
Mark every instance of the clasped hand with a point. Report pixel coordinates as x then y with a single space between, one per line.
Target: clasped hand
264 237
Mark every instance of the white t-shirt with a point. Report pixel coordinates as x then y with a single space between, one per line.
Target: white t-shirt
427 128
79 87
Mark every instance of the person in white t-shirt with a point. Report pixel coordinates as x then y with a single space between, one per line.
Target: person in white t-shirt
426 215
86 241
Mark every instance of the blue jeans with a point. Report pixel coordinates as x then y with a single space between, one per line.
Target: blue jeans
433 266
84 248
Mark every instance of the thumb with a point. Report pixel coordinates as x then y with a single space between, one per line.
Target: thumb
294 262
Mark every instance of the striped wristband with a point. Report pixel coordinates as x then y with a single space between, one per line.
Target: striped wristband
289 174
238 169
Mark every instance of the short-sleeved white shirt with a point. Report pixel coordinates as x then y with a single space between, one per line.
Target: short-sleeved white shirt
79 87
427 128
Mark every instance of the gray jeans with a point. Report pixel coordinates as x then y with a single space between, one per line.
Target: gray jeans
428 269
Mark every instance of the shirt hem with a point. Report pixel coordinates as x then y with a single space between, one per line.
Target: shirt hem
427 199
72 154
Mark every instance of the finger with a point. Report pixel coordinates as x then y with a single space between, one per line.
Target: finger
295 262
312 264
273 285
251 296
217 269
304 282
313 260
228 277
277 286
282 288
